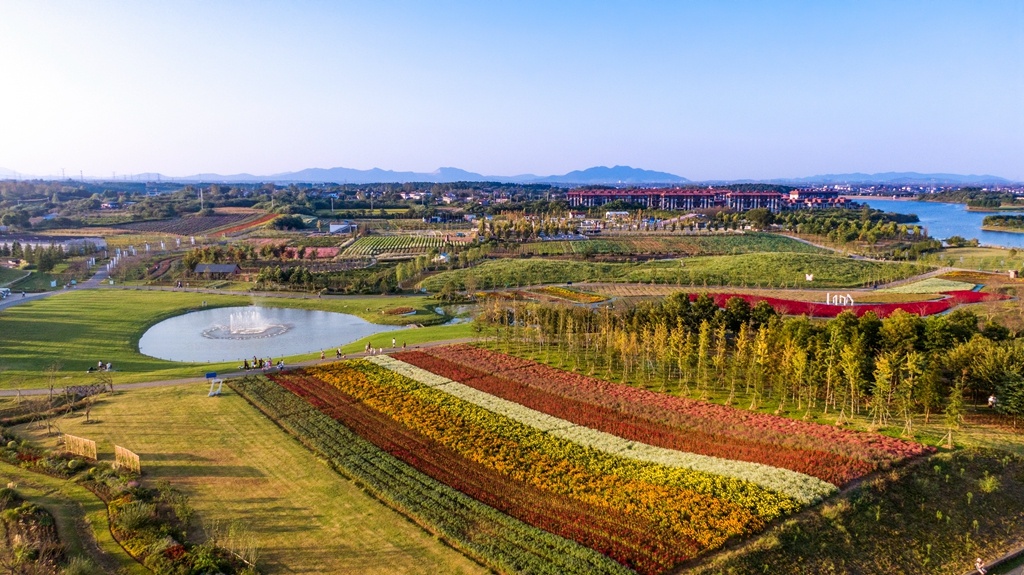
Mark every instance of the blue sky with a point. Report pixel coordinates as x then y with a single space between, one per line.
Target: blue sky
705 90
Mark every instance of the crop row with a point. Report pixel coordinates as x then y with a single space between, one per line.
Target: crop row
494 538
245 225
374 245
803 488
186 226
835 455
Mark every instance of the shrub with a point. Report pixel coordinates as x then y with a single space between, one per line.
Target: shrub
81 566
134 516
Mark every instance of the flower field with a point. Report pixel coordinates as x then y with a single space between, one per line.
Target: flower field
645 479
923 308
570 294
495 539
833 455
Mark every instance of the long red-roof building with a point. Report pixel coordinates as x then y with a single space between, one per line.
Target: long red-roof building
695 199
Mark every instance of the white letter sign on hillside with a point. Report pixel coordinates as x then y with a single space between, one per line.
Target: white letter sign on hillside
838 299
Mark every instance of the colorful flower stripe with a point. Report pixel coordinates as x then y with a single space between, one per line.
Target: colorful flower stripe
803 488
499 541
626 537
706 508
829 467
717 420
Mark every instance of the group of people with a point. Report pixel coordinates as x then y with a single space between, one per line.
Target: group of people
262 364
100 366
378 350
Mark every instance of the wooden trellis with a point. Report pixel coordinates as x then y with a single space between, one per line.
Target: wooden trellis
80 446
125 459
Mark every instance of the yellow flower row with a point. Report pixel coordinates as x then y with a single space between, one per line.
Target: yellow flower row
702 507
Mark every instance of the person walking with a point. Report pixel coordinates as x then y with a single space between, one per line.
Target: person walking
980 566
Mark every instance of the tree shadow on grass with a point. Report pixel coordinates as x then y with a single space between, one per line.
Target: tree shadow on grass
172 457
213 471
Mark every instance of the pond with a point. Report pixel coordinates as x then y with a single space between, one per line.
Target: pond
237 333
944 220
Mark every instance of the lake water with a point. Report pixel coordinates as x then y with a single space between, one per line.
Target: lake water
945 220
236 333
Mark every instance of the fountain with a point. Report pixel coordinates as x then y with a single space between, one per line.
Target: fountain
247 324
233 333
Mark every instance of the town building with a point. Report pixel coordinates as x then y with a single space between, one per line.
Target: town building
701 199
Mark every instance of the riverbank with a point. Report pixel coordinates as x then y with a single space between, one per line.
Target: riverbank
1002 229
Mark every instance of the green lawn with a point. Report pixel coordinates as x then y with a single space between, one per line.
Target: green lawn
74 330
743 270
237 466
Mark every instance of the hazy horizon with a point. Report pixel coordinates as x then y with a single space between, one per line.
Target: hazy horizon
722 91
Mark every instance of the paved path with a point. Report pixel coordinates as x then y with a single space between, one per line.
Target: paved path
188 380
99 279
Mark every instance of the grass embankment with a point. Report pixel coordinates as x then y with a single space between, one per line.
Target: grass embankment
75 330
667 243
744 270
934 516
983 259
237 466
25 280
80 516
9 276
930 286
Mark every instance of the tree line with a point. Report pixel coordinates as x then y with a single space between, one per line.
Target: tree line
890 369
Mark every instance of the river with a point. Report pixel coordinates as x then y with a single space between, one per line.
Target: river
944 220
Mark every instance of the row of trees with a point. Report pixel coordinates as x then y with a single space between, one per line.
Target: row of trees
45 258
889 369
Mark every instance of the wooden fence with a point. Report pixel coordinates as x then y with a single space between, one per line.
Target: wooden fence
125 459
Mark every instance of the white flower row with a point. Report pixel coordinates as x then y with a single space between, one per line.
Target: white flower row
803 488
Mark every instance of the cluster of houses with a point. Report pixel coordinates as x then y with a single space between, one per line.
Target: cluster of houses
694 199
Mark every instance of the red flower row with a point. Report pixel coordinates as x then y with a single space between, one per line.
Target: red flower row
833 468
658 412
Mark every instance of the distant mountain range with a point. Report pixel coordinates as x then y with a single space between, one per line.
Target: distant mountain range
897 178
597 175
600 175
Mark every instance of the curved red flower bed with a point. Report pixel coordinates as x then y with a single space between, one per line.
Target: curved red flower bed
815 309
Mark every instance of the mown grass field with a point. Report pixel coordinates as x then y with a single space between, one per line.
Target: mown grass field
744 270
237 466
75 330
